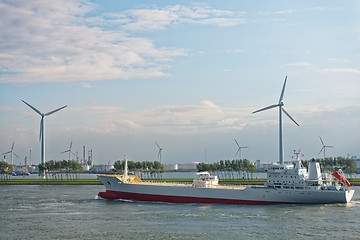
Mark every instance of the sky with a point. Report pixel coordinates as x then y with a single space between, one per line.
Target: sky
186 74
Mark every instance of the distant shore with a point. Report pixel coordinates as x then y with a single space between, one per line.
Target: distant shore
26 181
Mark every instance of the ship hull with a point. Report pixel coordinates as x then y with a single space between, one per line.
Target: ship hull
256 195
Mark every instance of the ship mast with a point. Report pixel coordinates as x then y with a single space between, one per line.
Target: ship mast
125 168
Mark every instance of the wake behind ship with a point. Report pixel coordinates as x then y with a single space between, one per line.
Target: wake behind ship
285 184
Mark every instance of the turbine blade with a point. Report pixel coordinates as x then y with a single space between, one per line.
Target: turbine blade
7 152
70 145
282 91
16 155
12 146
236 142
266 108
322 141
329 146
157 145
237 152
33 108
49 113
321 150
287 114
65 151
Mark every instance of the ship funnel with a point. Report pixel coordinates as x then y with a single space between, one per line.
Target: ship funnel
314 171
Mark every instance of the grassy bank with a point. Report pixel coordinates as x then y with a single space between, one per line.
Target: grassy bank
26 181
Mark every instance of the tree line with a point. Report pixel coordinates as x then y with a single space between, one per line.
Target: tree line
242 168
333 163
144 169
55 169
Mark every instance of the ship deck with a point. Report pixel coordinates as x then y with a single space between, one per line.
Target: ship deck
236 187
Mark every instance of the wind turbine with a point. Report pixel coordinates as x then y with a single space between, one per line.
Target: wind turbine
42 130
280 105
160 149
324 147
12 154
239 149
69 151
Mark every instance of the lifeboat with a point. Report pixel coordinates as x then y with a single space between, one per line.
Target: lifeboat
341 178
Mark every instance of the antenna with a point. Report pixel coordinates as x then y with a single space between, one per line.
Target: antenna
280 105
160 149
239 149
324 147
11 154
42 130
297 154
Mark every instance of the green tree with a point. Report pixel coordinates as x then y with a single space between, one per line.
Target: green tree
5 169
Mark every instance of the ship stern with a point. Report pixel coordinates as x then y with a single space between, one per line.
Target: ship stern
349 195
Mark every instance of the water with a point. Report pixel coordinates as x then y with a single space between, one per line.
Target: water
74 212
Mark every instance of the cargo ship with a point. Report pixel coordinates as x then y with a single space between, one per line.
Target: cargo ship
285 184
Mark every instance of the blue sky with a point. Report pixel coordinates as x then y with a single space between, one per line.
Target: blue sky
186 74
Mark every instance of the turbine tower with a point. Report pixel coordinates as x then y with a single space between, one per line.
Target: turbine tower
239 149
160 149
324 147
42 130
69 151
12 154
280 105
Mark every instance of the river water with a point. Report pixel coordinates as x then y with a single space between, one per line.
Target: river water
74 212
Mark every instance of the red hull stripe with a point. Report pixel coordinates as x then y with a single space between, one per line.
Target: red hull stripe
111 195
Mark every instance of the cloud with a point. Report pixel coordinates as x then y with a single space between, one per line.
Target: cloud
66 42
341 70
44 42
161 18
299 64
191 119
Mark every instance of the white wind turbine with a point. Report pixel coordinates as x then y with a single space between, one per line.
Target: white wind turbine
69 151
160 149
280 105
239 149
12 154
324 147
42 130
